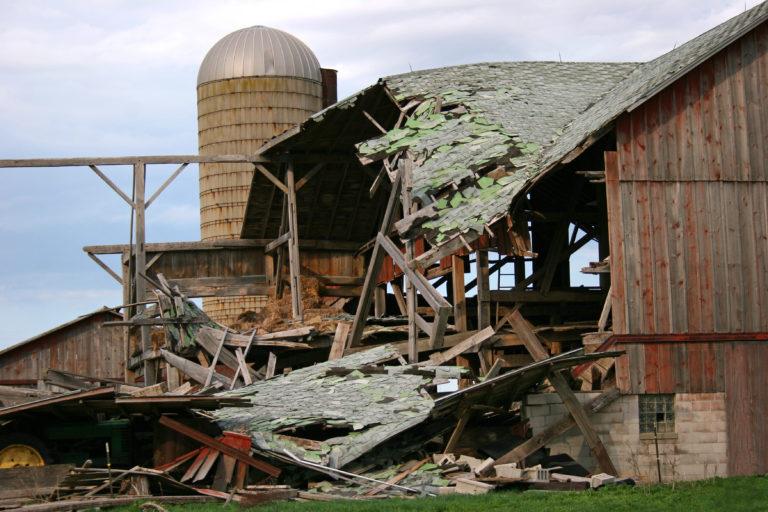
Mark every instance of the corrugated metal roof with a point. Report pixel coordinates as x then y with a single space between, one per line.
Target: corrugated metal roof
259 51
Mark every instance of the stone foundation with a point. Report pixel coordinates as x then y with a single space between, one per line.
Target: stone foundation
695 451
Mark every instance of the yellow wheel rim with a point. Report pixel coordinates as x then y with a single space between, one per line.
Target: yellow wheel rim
20 455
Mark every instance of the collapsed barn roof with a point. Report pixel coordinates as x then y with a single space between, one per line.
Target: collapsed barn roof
480 133
356 406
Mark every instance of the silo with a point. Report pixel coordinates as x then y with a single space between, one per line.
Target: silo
252 85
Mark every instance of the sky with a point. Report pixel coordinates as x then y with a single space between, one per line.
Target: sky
115 78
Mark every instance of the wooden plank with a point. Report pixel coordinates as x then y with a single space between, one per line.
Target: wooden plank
195 466
536 297
271 364
294 266
231 286
411 297
537 351
213 341
271 177
277 242
83 161
311 174
219 446
380 301
193 370
215 354
432 296
459 301
470 343
167 182
374 265
615 238
215 245
560 427
397 478
437 329
210 459
31 482
242 368
483 289
464 416
112 185
397 291
150 366
339 341
106 268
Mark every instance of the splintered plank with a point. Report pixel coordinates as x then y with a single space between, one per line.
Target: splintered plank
206 466
196 464
219 446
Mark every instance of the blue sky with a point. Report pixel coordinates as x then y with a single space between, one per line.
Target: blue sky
111 78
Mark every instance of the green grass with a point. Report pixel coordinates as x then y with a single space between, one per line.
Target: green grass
720 494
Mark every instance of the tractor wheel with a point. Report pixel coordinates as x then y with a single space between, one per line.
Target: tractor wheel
21 450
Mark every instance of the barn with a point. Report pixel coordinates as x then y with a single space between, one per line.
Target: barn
81 346
662 163
456 199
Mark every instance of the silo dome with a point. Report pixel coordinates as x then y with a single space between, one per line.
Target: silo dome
259 51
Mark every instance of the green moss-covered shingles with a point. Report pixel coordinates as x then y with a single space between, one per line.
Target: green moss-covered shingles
474 155
367 408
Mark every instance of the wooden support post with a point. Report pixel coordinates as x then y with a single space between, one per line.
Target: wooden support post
380 301
293 246
279 261
459 302
483 290
410 293
377 257
603 321
140 263
397 291
531 341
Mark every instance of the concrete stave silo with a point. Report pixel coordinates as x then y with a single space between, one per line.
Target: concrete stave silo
252 85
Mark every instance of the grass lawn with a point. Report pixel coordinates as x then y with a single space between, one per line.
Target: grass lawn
720 494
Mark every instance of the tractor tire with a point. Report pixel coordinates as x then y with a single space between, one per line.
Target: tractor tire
22 450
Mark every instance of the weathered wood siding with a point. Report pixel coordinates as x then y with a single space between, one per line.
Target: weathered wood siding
214 263
84 347
687 198
687 194
737 368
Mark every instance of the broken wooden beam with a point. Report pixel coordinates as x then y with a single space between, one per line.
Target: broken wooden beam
219 446
470 343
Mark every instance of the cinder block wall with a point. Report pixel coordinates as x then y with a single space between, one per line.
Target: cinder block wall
696 450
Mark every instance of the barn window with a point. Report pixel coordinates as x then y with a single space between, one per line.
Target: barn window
657 412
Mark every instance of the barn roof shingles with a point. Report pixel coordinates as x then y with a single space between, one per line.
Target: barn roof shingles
498 126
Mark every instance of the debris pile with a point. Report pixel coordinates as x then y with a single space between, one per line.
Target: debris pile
226 423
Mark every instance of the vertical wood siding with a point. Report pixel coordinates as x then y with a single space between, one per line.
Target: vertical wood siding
85 347
687 201
738 368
